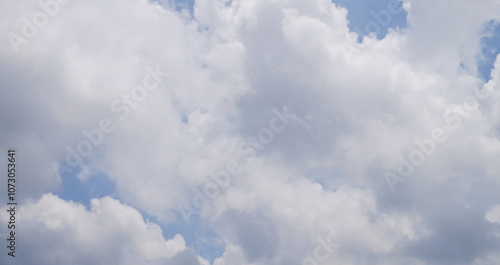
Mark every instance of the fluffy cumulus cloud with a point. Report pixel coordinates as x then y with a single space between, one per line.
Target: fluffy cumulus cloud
107 233
270 126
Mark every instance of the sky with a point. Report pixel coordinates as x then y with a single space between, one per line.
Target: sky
251 132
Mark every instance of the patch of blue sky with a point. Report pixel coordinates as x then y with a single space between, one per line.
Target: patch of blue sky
179 5
374 16
199 235
490 45
185 4
95 185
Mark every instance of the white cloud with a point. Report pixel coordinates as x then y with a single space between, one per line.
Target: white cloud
55 231
493 215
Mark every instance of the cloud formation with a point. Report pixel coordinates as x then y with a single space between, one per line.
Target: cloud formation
354 108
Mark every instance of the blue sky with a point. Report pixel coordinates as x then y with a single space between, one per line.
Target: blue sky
97 185
490 50
361 13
